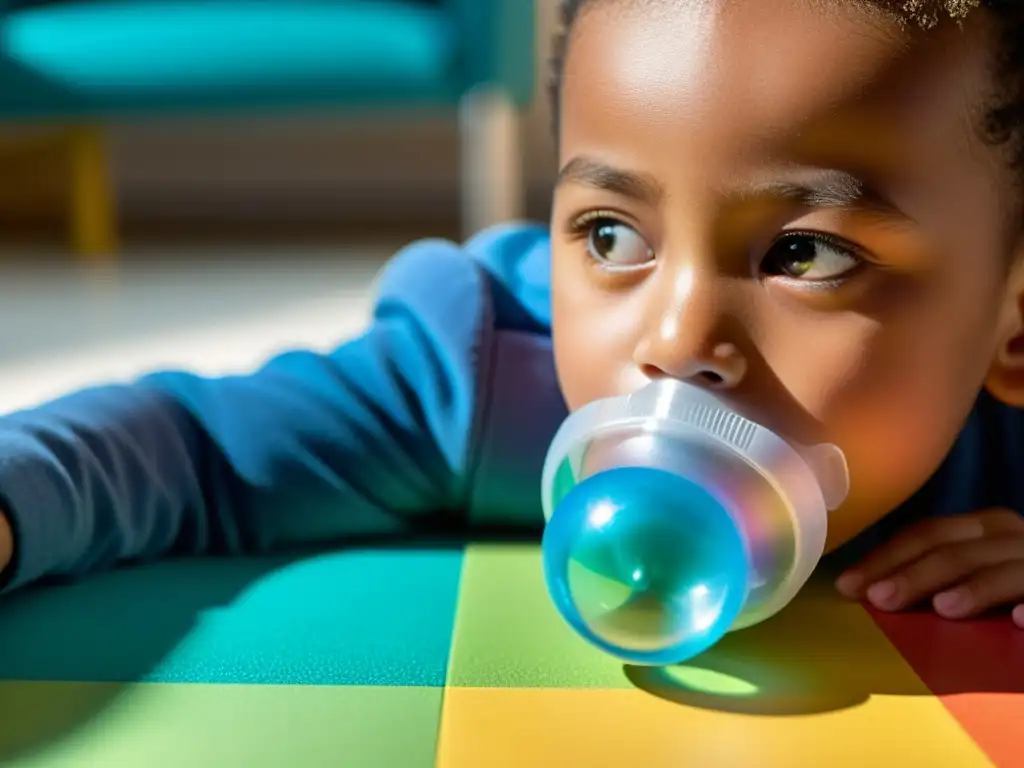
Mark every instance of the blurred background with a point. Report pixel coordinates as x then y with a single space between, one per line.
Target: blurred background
203 183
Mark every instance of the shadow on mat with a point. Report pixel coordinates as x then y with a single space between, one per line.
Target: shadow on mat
67 652
821 654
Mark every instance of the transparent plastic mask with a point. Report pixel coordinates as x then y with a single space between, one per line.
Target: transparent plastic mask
672 520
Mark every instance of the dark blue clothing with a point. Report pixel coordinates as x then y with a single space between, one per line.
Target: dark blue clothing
439 414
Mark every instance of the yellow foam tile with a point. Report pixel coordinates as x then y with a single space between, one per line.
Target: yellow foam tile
817 685
540 728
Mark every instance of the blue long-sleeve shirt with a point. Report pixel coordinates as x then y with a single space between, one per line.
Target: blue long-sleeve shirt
440 413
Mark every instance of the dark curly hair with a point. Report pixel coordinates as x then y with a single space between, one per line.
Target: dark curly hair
1003 123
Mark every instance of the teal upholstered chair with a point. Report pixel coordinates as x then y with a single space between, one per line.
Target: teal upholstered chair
90 61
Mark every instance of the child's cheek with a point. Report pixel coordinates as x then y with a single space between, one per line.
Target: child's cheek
595 333
893 395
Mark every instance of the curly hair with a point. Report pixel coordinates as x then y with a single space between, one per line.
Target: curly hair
1003 122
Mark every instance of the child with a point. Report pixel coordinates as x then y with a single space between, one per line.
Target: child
815 207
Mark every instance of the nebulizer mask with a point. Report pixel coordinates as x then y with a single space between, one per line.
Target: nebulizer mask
672 520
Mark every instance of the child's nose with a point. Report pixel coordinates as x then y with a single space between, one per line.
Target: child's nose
723 367
688 343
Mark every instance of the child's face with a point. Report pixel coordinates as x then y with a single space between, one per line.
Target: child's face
688 134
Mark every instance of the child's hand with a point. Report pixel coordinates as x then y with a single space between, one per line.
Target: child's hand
965 565
6 541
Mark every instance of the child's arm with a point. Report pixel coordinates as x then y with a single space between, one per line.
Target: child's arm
369 439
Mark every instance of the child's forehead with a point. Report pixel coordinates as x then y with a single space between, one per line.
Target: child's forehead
924 14
779 66
732 88
791 23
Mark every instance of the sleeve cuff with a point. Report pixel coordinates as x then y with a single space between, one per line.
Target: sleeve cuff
31 499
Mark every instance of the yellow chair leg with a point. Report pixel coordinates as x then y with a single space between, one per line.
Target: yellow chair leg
93 216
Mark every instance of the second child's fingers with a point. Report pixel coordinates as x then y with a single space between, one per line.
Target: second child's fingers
943 567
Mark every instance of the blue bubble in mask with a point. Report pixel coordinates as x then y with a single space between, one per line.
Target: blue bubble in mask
645 564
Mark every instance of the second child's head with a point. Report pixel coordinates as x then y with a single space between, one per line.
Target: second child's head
814 207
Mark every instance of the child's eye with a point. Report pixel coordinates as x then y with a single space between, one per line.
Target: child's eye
810 258
616 244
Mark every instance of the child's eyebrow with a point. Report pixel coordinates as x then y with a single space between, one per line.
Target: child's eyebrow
827 188
593 173
815 188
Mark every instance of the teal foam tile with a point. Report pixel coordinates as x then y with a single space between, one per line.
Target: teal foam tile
367 617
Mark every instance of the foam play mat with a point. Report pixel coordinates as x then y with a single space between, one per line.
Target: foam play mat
454 656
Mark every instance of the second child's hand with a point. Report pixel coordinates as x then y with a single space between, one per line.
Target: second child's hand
964 566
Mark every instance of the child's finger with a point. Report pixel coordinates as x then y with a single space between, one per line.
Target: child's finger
1018 615
906 547
991 587
942 567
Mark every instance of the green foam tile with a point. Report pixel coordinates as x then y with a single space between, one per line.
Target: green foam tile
79 725
509 635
